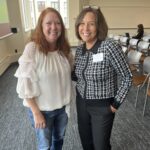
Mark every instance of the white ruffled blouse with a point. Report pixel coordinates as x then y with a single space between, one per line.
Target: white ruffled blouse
47 78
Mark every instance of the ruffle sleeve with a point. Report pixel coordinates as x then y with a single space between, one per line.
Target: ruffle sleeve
27 85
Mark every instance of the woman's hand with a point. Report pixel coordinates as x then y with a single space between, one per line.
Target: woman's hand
39 120
113 109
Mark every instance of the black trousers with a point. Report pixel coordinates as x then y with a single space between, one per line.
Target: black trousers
95 122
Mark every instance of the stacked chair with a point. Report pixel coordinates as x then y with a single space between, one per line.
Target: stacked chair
138 57
144 47
134 60
116 38
110 36
142 79
146 38
147 68
147 95
133 43
124 41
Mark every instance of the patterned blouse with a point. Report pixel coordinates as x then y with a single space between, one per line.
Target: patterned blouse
102 72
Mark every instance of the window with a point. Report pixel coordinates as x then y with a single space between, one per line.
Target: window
55 5
41 5
28 14
32 12
4 19
65 14
60 5
32 9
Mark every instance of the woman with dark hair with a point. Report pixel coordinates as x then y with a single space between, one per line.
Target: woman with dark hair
44 80
99 62
140 32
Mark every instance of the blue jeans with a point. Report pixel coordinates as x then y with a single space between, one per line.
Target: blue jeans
51 137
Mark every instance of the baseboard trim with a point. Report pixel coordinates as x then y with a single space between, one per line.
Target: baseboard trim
7 61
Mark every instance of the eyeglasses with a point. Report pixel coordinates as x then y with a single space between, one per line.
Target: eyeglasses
93 7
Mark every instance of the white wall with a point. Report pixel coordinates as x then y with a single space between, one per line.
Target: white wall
124 15
75 7
3 55
10 44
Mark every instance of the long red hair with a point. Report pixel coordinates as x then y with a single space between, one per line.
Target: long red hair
38 37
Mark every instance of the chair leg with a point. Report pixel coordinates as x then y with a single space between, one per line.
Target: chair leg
137 93
145 102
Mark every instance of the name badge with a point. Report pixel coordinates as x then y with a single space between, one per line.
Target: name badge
98 57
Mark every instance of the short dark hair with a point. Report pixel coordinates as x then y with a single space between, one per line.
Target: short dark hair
101 25
140 26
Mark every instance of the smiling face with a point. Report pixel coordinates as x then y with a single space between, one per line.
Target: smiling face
51 27
87 29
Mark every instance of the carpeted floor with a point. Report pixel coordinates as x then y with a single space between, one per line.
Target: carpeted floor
131 131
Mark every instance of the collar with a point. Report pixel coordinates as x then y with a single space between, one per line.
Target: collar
94 49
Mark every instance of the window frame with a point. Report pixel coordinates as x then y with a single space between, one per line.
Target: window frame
31 13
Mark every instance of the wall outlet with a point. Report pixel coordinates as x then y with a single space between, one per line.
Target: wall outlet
16 51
